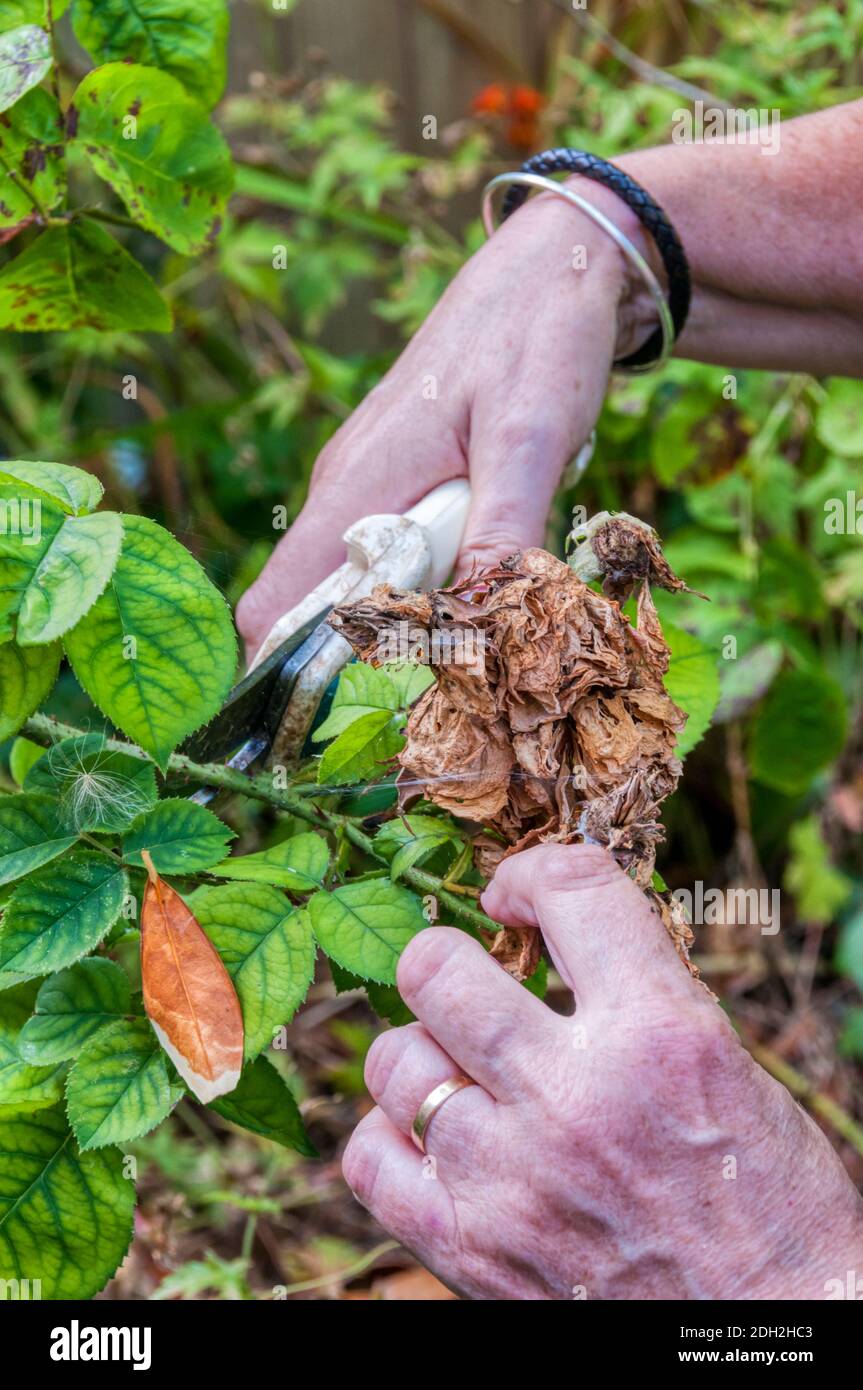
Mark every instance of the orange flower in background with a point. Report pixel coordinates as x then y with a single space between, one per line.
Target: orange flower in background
491 101
518 104
527 101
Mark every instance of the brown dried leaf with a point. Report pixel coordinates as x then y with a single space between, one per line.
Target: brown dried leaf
679 928
188 994
517 949
673 915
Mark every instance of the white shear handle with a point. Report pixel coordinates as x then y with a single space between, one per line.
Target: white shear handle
414 551
442 514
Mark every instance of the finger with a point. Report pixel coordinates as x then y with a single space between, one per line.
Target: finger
392 1180
607 942
403 1067
515 470
495 1030
526 425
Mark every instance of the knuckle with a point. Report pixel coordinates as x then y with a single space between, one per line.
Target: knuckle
428 956
709 1040
569 868
689 1048
495 543
328 478
386 1056
361 1164
526 439
326 462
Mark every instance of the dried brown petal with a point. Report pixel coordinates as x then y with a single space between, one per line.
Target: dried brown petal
628 552
517 949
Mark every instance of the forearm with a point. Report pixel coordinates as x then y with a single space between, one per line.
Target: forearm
773 242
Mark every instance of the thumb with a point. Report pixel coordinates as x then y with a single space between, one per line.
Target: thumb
606 940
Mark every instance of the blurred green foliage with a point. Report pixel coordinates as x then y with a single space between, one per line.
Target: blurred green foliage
337 235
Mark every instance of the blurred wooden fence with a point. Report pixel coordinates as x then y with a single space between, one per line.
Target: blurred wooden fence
434 54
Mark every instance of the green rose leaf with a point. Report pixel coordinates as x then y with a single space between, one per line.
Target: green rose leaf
98 788
362 690
182 838
65 1217
298 864
27 676
60 914
52 566
71 1006
15 12
361 750
414 852
157 651
31 834
790 584
684 432
692 681
186 38
798 729
30 522
159 151
384 999
31 148
25 58
22 756
78 276
76 491
404 830
263 1103
268 950
410 680
366 926
70 577
388 1003
119 1087
23 1087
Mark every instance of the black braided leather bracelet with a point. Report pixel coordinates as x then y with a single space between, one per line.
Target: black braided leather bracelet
649 214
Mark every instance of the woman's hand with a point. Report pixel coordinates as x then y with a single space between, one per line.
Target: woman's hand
503 383
505 379
631 1151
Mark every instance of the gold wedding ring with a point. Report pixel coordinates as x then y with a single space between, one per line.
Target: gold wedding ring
432 1103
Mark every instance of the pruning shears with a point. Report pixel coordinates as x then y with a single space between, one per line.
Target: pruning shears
269 714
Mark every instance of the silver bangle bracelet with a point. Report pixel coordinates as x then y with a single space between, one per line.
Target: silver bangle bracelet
630 251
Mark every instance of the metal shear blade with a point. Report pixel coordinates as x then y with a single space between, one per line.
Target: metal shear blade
249 720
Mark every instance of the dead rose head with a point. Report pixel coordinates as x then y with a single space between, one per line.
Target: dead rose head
566 733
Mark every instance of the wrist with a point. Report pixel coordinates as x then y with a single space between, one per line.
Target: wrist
636 311
822 1251
605 279
801 1234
